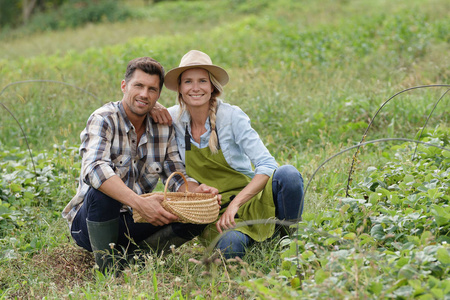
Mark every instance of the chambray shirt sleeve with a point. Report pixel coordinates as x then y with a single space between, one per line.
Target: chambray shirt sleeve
251 144
96 139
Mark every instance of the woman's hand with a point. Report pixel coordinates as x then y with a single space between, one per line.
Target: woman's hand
203 188
160 114
226 221
256 185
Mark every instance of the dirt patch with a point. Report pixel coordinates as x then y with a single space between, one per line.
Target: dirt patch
65 266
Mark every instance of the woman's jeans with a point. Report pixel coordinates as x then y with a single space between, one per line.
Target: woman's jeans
99 207
287 188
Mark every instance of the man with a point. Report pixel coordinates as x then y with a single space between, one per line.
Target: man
124 153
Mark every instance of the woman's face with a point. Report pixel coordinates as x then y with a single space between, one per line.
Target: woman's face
196 88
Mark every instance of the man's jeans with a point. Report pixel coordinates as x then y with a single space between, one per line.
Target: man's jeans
99 207
287 188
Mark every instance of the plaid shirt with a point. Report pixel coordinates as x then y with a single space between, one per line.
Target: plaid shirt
109 148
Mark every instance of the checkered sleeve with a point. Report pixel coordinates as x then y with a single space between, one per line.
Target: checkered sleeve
95 149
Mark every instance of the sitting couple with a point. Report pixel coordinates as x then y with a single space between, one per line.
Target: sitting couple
125 151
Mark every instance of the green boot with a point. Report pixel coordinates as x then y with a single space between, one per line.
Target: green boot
103 237
162 240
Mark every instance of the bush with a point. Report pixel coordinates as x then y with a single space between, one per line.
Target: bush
9 13
77 13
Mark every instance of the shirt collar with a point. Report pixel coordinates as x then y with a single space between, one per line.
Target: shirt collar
185 119
124 116
148 120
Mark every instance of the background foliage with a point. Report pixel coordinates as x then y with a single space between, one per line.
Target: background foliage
310 74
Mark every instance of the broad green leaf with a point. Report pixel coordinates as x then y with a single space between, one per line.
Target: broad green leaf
29 195
427 296
434 193
377 232
403 261
426 237
438 293
286 265
443 256
320 276
330 241
285 273
376 288
407 272
416 284
295 282
307 254
408 178
374 197
15 188
344 208
307 217
350 236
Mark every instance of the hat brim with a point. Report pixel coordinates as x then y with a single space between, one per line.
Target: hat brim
171 78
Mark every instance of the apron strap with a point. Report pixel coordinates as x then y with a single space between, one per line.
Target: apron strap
187 138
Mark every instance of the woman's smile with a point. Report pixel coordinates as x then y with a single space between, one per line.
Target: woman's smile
196 87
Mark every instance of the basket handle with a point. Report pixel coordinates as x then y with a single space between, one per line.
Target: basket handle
170 177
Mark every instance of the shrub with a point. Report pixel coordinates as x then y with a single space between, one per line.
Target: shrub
77 13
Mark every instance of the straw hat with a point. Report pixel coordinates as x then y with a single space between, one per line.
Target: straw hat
194 59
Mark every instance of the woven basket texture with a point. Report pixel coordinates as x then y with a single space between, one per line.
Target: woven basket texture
195 208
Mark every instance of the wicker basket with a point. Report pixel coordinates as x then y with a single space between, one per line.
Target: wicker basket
196 208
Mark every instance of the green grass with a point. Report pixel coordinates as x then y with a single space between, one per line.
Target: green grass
310 74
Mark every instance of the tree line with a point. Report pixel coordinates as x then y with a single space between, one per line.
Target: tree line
14 13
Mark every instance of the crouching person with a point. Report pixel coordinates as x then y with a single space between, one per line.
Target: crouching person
124 153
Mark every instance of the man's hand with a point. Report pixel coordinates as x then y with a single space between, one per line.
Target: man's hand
148 207
160 114
151 210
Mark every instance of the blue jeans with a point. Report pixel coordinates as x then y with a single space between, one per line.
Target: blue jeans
99 207
287 189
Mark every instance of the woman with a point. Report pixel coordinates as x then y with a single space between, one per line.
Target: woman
219 146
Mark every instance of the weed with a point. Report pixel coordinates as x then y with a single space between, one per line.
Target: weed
309 74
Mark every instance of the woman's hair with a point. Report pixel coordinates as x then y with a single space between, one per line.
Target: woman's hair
217 91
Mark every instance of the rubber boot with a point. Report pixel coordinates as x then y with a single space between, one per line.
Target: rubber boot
103 237
162 240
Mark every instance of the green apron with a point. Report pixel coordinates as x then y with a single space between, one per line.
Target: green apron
213 170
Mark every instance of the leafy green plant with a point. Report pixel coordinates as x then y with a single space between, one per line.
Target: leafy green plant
390 239
308 74
23 192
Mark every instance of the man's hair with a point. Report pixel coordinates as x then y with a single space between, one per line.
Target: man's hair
149 66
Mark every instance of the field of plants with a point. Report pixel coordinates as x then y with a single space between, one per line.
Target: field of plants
353 93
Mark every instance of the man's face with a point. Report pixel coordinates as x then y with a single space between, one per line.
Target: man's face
140 94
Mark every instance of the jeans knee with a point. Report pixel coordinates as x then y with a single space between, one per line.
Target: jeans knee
233 243
288 174
100 207
287 189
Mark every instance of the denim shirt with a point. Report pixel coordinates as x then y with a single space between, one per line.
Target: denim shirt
239 142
